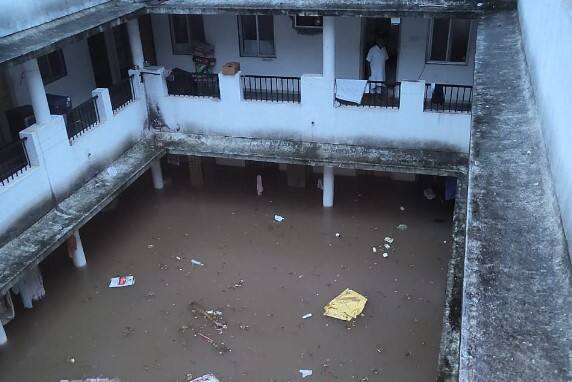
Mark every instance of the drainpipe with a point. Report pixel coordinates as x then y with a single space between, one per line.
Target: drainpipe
37 92
329 48
135 42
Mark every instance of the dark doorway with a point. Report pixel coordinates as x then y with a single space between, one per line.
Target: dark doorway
123 49
100 61
146 31
382 27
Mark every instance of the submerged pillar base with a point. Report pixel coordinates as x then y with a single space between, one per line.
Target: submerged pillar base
328 184
75 250
157 174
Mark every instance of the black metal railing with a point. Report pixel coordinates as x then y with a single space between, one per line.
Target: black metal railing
271 88
194 84
13 160
448 98
121 93
82 118
378 94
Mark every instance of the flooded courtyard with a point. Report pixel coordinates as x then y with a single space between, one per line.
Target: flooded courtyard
262 276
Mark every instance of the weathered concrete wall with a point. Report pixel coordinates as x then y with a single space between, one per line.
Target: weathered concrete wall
296 53
23 14
78 83
412 51
547 35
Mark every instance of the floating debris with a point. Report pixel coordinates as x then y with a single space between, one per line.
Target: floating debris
307 316
70 360
388 239
238 284
259 187
219 346
149 246
206 378
429 194
197 263
305 372
385 255
121 281
346 306
214 316
338 235
279 218
402 208
374 249
402 227
387 246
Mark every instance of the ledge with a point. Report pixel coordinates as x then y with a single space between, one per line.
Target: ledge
516 317
27 44
50 231
444 163
387 8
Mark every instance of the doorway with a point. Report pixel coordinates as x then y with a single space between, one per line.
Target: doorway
100 61
382 27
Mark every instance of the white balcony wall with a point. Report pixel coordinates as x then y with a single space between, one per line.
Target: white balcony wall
317 119
78 83
296 53
412 66
59 166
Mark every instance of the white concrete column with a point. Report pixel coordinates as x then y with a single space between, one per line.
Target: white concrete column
135 42
328 192
103 103
3 337
37 92
75 250
329 47
157 174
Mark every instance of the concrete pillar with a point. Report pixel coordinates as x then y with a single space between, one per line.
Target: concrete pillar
37 92
3 337
196 171
157 174
75 250
103 103
135 42
328 192
329 48
296 176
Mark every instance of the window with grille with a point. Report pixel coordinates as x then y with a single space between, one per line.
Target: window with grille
186 30
52 66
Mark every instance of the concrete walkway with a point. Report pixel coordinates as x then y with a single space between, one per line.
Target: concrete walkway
39 240
516 323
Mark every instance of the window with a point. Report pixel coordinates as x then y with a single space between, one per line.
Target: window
52 66
186 30
448 40
256 36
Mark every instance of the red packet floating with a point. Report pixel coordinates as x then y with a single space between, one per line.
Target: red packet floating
121 281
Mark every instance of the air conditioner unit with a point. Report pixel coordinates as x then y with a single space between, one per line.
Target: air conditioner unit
308 22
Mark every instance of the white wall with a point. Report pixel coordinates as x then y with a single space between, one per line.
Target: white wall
412 51
16 15
547 35
78 83
296 53
316 118
59 166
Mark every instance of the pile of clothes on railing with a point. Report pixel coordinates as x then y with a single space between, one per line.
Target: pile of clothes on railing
203 57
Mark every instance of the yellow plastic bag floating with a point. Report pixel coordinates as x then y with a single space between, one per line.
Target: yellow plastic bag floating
346 306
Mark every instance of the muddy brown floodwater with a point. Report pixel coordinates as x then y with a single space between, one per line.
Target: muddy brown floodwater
148 332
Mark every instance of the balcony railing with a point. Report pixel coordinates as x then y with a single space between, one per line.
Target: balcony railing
81 118
378 94
13 161
271 88
448 98
193 84
121 93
